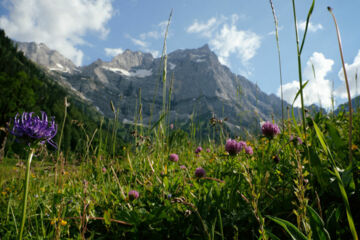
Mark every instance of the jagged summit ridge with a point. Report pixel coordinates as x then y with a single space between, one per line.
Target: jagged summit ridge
200 82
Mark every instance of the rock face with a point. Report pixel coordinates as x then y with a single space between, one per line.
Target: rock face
42 55
200 85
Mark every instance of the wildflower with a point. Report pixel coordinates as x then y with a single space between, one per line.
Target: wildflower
173 157
198 149
296 140
183 167
3 193
32 129
242 145
169 196
354 147
233 147
270 130
200 172
133 195
103 170
63 222
249 150
208 150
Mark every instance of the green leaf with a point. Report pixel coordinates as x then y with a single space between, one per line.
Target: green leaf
290 228
107 217
317 225
307 24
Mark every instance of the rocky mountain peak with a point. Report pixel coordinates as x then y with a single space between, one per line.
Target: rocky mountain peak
51 59
129 59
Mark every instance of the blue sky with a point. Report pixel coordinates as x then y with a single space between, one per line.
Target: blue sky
240 32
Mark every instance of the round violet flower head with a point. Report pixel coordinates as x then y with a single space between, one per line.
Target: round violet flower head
200 172
133 195
232 147
242 145
183 167
32 129
198 149
104 169
270 130
208 150
173 157
249 150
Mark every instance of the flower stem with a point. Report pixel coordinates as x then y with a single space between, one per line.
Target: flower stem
26 190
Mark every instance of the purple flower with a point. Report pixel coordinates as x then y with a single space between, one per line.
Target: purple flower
208 150
233 147
31 128
200 172
270 130
199 149
104 170
249 150
173 157
133 195
296 140
183 167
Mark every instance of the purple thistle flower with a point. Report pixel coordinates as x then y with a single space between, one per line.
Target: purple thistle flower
200 172
183 167
198 149
233 147
208 150
242 145
32 129
249 150
173 157
133 195
270 130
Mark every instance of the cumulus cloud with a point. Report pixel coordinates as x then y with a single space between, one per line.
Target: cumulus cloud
318 90
352 71
311 27
60 24
113 51
230 40
226 39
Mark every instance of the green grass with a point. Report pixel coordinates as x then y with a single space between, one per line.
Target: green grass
285 188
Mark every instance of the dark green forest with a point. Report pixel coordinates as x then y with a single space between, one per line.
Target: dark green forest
25 86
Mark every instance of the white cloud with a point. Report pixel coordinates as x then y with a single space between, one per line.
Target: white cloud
311 26
229 40
60 24
318 90
137 42
205 29
113 51
226 40
352 71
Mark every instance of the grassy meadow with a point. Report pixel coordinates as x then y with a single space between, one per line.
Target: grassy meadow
298 182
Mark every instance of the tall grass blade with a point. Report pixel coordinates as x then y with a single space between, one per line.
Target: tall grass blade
290 228
307 24
279 60
346 82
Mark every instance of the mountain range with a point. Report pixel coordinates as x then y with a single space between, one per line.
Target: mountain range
200 87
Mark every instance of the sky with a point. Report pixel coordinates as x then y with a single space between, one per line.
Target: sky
240 32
